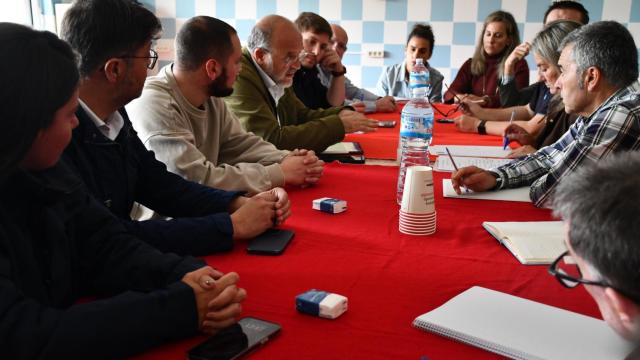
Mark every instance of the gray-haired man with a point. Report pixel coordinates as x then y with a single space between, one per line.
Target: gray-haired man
600 207
599 64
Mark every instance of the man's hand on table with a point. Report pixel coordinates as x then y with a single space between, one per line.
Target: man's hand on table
217 296
386 104
302 168
473 178
354 121
260 212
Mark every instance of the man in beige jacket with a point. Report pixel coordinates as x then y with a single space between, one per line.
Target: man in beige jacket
181 117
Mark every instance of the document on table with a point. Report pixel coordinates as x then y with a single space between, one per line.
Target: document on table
344 148
443 163
531 242
522 329
473 151
519 194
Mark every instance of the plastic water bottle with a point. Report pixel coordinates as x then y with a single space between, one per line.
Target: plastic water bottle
416 125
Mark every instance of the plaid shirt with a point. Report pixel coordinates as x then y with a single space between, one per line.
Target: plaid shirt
613 127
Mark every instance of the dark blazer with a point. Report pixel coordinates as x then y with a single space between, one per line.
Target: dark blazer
120 172
57 245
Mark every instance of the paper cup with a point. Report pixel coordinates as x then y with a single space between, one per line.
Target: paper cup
417 195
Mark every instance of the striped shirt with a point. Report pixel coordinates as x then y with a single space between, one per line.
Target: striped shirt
614 126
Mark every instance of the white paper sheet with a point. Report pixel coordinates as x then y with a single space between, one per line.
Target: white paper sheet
474 151
519 194
443 163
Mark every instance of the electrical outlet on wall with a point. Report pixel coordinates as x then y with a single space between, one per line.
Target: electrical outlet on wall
376 54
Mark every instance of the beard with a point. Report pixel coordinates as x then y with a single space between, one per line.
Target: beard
218 87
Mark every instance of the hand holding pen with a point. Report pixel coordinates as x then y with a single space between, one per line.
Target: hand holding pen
506 140
456 168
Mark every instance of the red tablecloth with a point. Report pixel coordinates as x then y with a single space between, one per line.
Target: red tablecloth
383 143
389 278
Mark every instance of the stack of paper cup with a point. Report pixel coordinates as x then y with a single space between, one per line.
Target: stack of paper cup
417 210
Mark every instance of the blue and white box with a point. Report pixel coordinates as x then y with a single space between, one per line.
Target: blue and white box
321 303
330 205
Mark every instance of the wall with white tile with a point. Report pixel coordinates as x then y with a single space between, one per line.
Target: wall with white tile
383 24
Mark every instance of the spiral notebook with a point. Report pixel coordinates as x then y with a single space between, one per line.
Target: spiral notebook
522 329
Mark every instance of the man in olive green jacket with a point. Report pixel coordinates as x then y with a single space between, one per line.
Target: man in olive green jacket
266 105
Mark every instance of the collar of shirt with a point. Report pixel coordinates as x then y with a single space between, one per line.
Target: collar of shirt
276 91
109 128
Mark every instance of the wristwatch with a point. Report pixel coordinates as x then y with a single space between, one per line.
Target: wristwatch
339 73
482 130
498 185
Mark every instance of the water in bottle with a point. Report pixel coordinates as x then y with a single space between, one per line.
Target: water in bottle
416 125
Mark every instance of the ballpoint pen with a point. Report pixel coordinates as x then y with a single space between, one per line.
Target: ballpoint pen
455 166
506 140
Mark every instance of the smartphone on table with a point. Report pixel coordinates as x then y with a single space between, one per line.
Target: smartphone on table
270 242
235 341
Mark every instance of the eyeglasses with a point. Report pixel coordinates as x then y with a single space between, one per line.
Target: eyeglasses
291 59
567 272
451 111
153 58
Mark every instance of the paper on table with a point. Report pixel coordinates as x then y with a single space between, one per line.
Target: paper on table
343 148
531 242
519 194
443 163
475 151
523 329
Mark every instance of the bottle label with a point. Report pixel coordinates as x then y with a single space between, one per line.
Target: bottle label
416 126
417 80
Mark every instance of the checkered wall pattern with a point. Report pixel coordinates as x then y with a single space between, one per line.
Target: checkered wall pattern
384 24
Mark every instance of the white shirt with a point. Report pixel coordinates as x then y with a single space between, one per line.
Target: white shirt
109 128
276 91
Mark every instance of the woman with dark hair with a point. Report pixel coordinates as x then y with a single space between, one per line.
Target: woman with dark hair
394 80
477 80
57 244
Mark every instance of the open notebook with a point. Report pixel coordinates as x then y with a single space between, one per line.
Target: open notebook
531 242
521 328
519 194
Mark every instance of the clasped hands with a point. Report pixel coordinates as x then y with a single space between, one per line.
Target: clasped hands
217 296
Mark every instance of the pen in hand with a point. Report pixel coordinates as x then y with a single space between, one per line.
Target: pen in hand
456 168
506 140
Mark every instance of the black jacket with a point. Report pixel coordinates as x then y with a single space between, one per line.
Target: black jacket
309 88
120 172
57 244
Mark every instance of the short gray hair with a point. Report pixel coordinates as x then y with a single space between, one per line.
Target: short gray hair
547 41
601 203
259 38
608 46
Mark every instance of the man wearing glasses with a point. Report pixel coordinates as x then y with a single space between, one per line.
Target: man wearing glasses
266 105
114 40
600 207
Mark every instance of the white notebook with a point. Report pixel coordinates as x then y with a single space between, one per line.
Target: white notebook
343 148
531 242
519 194
443 163
473 151
522 329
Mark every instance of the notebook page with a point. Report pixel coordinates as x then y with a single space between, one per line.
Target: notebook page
519 194
443 163
505 323
532 242
341 148
469 150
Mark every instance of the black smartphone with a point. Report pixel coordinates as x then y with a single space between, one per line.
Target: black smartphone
235 341
270 242
445 121
387 124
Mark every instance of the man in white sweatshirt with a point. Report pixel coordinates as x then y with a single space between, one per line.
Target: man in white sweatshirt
182 118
